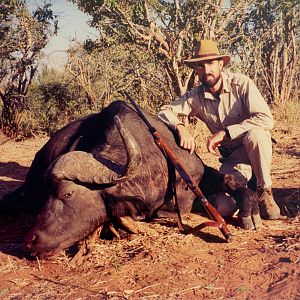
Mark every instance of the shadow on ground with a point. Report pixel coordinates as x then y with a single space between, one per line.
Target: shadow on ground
15 174
13 170
13 228
288 199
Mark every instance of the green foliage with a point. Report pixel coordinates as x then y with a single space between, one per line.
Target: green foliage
23 36
111 3
54 101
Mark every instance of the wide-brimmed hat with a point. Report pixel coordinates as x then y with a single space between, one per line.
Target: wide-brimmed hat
206 51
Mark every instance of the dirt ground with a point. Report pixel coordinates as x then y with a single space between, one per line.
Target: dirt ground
160 262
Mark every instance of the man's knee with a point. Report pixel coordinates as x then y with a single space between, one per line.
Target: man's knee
241 172
256 136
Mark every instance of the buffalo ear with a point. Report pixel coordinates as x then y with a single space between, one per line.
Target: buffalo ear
83 167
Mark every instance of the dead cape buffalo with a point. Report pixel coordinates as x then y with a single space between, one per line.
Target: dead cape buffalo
106 166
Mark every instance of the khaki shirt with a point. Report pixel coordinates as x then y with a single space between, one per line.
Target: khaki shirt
239 108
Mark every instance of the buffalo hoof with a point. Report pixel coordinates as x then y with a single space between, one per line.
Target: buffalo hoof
256 221
246 223
250 222
114 231
129 224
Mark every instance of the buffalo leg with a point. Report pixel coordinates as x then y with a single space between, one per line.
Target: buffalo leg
85 247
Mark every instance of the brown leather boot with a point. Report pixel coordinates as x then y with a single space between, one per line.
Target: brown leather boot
267 206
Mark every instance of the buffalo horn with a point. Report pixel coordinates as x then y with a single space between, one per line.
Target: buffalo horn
82 166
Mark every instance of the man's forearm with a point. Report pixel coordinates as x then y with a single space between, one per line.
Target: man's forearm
169 118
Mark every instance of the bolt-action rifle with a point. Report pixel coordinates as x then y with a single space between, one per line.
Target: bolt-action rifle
218 221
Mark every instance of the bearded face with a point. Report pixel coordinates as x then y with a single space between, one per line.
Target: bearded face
209 72
210 79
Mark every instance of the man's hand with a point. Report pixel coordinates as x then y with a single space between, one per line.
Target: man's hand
187 141
214 141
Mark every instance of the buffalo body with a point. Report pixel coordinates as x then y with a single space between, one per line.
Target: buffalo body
103 167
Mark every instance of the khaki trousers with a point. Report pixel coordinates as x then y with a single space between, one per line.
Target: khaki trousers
254 154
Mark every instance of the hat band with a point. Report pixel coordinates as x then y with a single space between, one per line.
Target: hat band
208 54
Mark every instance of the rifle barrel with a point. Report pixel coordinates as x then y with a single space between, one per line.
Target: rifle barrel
151 128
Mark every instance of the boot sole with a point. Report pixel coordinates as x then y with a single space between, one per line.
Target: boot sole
271 217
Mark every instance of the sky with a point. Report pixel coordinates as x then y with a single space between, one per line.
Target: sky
72 25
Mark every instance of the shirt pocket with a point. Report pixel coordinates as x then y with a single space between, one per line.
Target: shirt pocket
234 114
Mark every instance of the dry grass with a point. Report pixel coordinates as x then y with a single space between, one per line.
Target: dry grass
287 116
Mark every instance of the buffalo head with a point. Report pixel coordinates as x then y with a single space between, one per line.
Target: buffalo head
75 205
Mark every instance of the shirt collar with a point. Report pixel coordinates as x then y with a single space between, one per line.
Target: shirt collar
206 94
209 95
226 85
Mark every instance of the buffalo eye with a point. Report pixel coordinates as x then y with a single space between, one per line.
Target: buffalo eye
69 194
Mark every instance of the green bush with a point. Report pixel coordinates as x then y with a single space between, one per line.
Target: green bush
53 101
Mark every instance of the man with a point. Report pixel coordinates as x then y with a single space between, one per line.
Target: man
238 117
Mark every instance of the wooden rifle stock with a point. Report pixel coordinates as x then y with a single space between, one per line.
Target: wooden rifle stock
218 221
212 212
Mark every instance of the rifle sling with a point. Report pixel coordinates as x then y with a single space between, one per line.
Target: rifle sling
172 178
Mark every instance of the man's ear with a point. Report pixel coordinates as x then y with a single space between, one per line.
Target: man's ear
221 64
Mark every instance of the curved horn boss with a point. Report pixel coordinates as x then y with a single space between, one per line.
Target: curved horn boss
82 166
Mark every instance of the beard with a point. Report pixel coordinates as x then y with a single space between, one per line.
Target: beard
209 80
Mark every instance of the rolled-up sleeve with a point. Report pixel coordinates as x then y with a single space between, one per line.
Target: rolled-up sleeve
259 113
170 113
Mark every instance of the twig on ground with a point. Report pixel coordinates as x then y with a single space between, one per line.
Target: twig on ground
39 265
197 287
147 287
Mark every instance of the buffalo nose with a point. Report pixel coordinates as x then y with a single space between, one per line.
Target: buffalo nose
31 241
